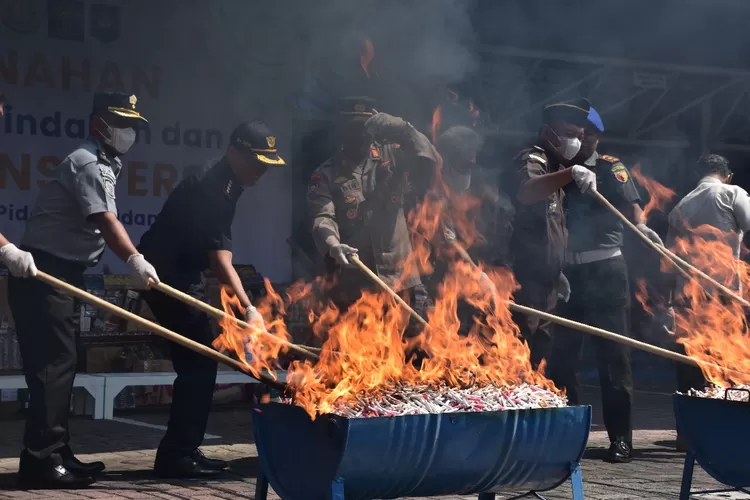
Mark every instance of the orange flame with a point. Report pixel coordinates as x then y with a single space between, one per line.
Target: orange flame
436 118
367 56
364 350
658 194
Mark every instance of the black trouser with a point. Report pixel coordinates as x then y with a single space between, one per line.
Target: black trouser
535 331
600 297
45 325
193 389
688 376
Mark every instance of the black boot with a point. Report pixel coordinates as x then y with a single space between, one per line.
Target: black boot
619 452
77 467
182 467
48 473
209 463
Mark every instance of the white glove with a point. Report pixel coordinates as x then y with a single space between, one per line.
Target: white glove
254 318
584 178
650 234
20 263
141 271
563 288
487 285
340 252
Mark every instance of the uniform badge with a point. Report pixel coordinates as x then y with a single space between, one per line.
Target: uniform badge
108 179
621 175
349 199
133 99
271 140
449 234
374 153
314 179
340 180
385 163
351 213
610 159
552 208
350 186
228 188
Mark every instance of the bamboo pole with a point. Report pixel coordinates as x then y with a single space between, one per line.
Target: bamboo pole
221 315
157 329
664 252
581 327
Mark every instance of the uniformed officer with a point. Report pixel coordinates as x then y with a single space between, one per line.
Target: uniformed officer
191 234
75 217
356 201
539 234
598 278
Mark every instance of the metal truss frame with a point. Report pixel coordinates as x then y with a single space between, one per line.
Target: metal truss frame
642 103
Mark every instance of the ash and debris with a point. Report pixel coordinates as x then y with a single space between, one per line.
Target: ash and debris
740 392
423 399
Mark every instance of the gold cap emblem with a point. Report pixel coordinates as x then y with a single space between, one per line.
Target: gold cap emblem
133 99
271 141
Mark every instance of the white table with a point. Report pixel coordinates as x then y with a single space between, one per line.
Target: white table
94 384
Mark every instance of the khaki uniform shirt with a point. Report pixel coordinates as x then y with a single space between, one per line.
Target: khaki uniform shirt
363 206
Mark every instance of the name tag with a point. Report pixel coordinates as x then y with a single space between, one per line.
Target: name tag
351 186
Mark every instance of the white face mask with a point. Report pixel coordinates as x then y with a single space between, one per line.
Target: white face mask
122 139
571 147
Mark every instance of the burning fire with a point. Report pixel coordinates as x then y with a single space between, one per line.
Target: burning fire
712 328
658 194
366 56
436 124
365 352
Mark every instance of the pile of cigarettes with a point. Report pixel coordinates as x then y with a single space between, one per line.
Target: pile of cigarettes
420 400
731 393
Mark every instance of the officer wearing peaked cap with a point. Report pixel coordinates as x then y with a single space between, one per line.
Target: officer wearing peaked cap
356 201
598 277
539 233
74 219
191 234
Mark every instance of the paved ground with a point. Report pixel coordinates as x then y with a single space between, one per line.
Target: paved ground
128 450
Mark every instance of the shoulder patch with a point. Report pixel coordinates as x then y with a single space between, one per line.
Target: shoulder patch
314 179
621 173
108 179
374 153
609 158
536 157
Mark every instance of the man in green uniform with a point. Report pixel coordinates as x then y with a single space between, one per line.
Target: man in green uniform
598 277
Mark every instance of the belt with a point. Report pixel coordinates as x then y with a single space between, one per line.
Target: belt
592 255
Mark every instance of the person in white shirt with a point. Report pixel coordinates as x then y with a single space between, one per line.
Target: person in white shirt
713 205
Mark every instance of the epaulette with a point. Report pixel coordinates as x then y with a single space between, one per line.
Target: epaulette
101 157
610 159
536 154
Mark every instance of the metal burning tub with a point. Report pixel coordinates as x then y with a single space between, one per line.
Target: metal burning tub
418 455
718 437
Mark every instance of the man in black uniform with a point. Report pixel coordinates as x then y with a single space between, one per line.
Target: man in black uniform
74 220
192 233
598 280
538 240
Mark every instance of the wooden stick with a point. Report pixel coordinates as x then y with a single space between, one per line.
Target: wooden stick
221 315
664 252
382 284
157 329
581 327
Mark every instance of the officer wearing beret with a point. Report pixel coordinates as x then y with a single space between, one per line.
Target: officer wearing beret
598 278
356 201
74 219
191 234
539 233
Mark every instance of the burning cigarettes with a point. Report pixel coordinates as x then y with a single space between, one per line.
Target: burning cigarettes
738 393
422 399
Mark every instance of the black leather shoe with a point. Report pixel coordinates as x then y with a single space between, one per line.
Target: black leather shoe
209 463
48 474
183 468
77 467
619 452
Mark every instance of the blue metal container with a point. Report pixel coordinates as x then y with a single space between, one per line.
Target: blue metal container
419 455
717 433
